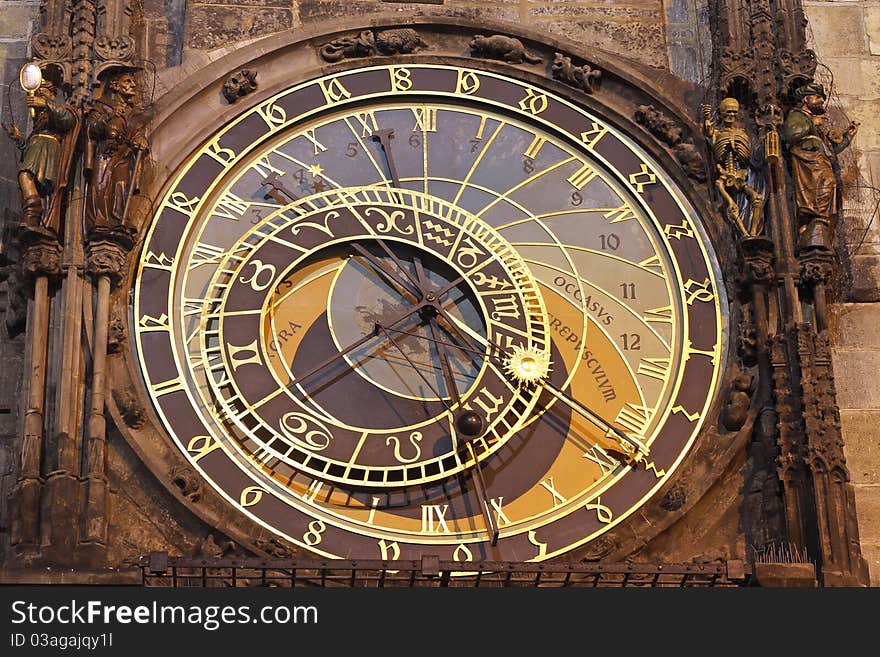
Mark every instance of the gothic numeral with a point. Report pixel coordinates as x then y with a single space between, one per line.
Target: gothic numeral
486 401
467 83
148 323
333 91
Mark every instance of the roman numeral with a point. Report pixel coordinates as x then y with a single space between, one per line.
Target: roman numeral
205 254
426 119
662 315
550 488
264 167
582 176
434 518
319 147
655 368
535 147
231 207
601 458
634 418
500 517
653 263
367 121
623 213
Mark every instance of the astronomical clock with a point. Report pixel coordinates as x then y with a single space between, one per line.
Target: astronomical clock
441 298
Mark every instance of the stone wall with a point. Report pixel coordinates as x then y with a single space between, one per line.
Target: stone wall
634 28
846 38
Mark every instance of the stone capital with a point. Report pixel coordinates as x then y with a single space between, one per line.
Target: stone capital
107 256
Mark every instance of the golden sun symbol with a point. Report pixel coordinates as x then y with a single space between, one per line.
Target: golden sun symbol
527 364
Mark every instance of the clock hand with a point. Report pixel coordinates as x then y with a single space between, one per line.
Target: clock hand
433 390
429 298
389 273
468 422
276 188
384 137
633 447
377 327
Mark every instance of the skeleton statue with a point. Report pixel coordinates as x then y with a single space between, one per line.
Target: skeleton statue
731 150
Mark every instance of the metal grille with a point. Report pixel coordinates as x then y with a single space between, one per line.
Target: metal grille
161 570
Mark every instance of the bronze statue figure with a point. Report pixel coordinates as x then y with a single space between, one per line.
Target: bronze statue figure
731 149
113 159
813 147
45 158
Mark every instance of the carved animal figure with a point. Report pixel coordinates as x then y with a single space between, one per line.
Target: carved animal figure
582 77
400 41
502 47
362 45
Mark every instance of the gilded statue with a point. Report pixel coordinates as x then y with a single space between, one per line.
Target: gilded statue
45 156
731 149
813 145
114 151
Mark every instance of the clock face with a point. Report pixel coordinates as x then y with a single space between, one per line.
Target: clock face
401 311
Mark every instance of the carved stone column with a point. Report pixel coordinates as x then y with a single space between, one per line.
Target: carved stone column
758 275
41 261
791 467
83 29
841 562
816 266
106 262
52 43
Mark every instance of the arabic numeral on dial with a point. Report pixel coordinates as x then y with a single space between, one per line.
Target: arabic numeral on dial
576 198
528 165
415 141
305 431
609 242
631 341
352 149
628 290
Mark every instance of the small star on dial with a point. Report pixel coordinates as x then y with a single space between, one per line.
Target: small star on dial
316 170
